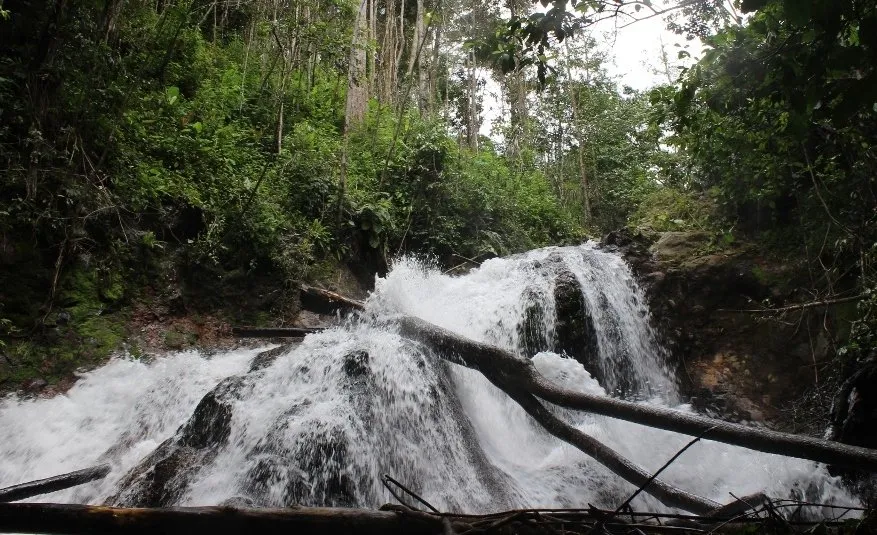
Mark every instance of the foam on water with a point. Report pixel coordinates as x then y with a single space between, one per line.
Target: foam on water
328 418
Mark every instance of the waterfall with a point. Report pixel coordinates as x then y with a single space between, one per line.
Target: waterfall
319 423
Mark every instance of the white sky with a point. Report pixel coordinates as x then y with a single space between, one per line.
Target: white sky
635 53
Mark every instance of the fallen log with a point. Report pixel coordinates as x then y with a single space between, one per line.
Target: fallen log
53 484
326 302
273 332
520 373
74 519
615 462
389 520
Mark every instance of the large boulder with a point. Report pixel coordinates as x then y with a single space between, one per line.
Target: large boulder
164 476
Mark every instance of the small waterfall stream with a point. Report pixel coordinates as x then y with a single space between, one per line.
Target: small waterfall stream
319 424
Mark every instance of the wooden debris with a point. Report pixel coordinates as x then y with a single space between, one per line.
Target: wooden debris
53 484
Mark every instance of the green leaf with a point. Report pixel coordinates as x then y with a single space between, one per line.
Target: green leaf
172 95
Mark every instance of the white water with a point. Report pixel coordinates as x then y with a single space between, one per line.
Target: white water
321 427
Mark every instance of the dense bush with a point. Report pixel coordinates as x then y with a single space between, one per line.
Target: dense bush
150 135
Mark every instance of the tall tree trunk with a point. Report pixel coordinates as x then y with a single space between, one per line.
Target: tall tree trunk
472 126
435 98
357 96
583 171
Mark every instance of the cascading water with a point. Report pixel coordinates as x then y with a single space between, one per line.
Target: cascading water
320 423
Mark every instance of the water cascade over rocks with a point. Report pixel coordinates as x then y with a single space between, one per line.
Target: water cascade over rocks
321 422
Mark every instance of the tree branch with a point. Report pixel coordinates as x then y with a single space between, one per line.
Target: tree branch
53 484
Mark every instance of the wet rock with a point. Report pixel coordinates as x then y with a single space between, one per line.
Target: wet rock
356 364
575 334
653 278
209 425
312 470
35 386
531 333
164 476
854 410
632 246
267 358
160 479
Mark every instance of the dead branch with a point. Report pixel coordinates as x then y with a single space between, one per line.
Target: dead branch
617 464
53 484
326 302
274 332
801 306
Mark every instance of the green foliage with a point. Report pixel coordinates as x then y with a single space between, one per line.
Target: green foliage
669 209
438 198
139 140
778 121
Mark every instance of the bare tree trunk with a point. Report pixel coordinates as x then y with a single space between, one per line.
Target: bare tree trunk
583 172
434 97
357 80
357 97
472 126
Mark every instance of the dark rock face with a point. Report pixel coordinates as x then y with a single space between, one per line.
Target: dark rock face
854 411
356 365
853 421
267 358
733 365
532 334
209 425
163 476
310 471
575 334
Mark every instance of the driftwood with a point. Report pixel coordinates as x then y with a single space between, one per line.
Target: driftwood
273 332
72 519
800 306
53 484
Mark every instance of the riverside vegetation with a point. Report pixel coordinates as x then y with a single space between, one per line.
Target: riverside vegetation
202 157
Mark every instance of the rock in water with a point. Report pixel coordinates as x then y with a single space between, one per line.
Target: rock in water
575 334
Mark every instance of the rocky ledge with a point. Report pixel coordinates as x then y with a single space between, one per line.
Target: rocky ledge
737 360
